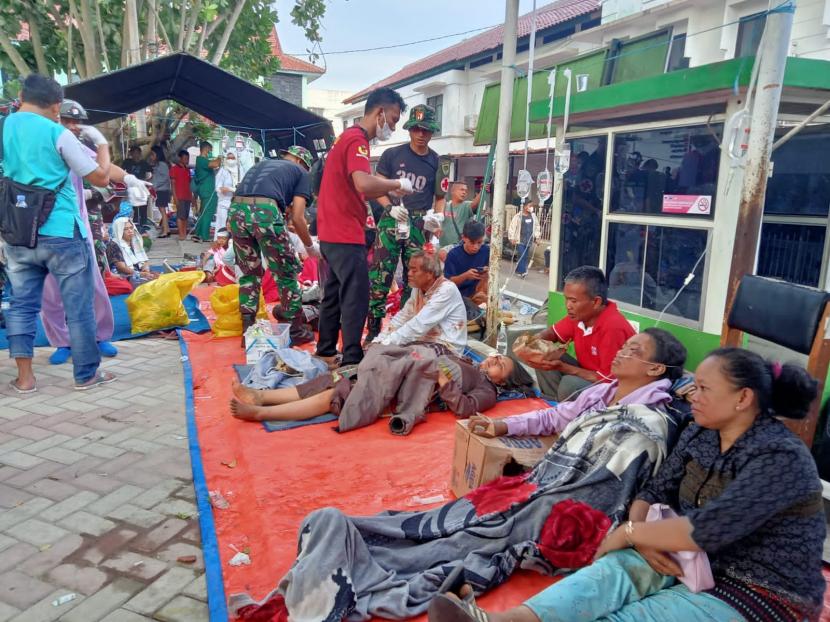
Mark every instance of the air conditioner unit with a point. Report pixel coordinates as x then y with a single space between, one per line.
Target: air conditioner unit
470 123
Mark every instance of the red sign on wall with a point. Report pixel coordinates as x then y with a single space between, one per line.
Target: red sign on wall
694 204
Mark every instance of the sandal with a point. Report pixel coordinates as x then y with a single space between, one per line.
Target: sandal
102 377
13 386
444 608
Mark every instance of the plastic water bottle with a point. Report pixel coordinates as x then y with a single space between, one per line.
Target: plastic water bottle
21 202
501 341
402 230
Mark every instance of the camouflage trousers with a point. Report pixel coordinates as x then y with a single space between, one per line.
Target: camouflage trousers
259 231
387 250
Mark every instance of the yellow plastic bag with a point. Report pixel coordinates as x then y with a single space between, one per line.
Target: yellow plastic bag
157 305
225 303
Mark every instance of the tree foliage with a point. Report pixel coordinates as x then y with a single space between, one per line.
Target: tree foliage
84 38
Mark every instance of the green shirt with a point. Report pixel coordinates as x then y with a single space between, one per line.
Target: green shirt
204 176
455 217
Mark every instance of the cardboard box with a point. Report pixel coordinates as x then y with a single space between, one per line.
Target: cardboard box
256 346
478 460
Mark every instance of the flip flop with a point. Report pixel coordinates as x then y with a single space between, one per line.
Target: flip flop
102 377
13 386
446 609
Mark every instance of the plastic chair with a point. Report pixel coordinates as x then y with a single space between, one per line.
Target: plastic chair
792 316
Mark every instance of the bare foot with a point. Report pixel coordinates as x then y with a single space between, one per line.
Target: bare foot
246 395
246 412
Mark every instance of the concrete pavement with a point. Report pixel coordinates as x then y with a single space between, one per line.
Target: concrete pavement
96 494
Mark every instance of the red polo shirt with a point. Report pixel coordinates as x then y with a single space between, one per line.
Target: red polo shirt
341 209
596 346
181 182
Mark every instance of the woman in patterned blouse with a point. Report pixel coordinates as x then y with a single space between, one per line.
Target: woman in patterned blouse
747 492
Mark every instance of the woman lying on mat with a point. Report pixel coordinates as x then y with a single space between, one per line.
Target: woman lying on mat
625 389
392 565
126 254
748 495
463 387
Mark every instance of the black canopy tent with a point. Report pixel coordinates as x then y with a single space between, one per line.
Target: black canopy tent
208 90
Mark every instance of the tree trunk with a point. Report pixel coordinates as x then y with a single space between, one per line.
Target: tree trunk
84 22
104 55
191 24
150 41
160 25
17 60
37 45
201 45
182 27
219 52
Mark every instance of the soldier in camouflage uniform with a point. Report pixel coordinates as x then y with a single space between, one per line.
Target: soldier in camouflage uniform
428 174
270 192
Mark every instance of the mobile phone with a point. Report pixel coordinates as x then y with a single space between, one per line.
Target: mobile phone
482 269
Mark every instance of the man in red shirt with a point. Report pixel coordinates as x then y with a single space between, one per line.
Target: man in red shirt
180 174
596 327
341 219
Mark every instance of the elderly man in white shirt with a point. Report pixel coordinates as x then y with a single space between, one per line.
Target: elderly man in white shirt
434 312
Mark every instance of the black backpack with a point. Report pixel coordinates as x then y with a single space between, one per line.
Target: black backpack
316 174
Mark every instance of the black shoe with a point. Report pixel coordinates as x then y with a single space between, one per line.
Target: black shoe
373 326
300 332
247 321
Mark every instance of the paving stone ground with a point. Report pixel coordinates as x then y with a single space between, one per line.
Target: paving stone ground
96 494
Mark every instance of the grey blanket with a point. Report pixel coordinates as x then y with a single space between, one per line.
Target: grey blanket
391 565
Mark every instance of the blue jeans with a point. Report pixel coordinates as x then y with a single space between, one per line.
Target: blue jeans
622 587
68 260
524 257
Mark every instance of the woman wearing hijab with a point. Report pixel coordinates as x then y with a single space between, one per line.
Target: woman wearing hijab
125 252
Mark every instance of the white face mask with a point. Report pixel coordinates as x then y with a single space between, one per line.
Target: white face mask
384 132
230 164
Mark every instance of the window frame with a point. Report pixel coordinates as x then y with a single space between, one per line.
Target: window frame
683 222
708 122
439 112
801 219
743 21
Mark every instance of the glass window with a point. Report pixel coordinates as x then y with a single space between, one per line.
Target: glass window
437 104
670 171
582 205
647 265
677 54
750 30
800 182
791 252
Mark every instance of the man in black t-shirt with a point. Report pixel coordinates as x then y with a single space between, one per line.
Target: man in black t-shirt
400 229
134 165
256 221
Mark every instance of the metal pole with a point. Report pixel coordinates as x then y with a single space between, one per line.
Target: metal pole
508 73
795 130
773 59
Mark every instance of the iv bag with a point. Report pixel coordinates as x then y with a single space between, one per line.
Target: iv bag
544 185
737 134
523 184
225 140
562 159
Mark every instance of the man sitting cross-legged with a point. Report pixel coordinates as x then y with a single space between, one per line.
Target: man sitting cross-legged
596 327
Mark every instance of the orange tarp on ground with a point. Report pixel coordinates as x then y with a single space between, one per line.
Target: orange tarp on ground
272 480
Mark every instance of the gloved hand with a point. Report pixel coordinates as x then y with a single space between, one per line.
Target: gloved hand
399 212
131 181
91 135
405 185
314 250
432 223
87 194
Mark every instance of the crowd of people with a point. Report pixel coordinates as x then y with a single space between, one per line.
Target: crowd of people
743 491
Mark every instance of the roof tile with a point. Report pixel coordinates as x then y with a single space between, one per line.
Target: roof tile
288 62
